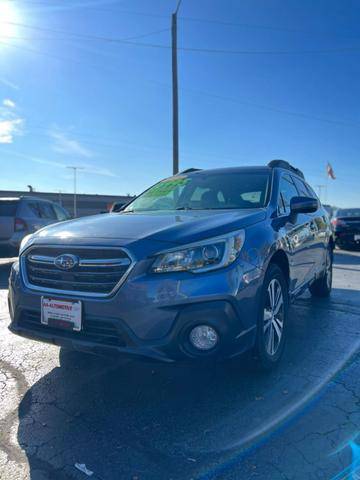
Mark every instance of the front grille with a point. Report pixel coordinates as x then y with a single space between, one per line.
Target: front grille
97 331
97 272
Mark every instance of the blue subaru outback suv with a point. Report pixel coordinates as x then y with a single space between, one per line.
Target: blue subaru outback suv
202 265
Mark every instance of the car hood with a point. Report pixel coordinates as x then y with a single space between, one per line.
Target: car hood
169 227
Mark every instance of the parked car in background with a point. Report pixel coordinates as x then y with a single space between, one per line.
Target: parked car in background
329 209
201 266
117 207
346 225
23 215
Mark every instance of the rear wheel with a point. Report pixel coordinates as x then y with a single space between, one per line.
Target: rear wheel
272 318
322 286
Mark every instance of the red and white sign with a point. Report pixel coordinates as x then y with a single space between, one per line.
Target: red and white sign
61 313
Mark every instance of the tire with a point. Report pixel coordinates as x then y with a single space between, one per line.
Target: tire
269 344
322 286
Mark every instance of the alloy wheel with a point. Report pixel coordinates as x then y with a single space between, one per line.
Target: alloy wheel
273 317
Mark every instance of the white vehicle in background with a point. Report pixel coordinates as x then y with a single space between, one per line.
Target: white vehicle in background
23 215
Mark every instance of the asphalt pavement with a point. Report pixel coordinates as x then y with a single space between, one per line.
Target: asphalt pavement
144 421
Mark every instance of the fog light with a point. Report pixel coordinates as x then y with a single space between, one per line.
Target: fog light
203 337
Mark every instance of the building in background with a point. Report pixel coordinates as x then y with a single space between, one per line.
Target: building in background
87 204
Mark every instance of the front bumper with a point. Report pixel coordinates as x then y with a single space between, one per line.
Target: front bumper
151 315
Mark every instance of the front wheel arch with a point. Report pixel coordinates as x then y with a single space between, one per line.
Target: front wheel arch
280 259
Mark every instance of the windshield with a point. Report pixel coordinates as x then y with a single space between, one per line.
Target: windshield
205 191
348 212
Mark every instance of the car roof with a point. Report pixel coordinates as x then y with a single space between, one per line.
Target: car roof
9 199
249 169
257 169
35 199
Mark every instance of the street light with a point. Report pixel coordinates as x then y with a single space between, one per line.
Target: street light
75 169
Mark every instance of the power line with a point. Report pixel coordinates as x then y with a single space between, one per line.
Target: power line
96 8
208 20
266 27
88 37
261 106
56 57
339 50
64 59
61 5
198 92
201 92
271 109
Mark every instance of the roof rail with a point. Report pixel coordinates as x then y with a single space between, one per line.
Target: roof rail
189 170
37 199
287 166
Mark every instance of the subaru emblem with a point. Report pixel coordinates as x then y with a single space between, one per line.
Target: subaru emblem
66 261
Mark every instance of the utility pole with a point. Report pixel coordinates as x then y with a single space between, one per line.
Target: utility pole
75 169
175 96
60 198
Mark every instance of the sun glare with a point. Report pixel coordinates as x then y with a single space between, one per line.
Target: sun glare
8 18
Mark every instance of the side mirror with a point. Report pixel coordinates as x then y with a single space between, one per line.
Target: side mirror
303 205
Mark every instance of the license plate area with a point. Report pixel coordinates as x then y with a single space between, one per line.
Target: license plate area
60 313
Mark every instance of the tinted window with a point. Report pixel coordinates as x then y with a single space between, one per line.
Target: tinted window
287 191
8 208
34 208
47 211
60 213
206 190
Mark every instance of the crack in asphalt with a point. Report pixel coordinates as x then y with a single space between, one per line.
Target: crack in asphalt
8 421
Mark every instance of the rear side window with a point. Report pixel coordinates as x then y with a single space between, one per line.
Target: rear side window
47 211
287 191
34 209
8 208
60 213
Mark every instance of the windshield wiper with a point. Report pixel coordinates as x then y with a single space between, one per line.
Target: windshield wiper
183 208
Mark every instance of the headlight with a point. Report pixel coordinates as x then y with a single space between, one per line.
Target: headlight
203 256
24 243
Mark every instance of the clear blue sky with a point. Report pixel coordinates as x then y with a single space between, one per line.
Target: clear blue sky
68 98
